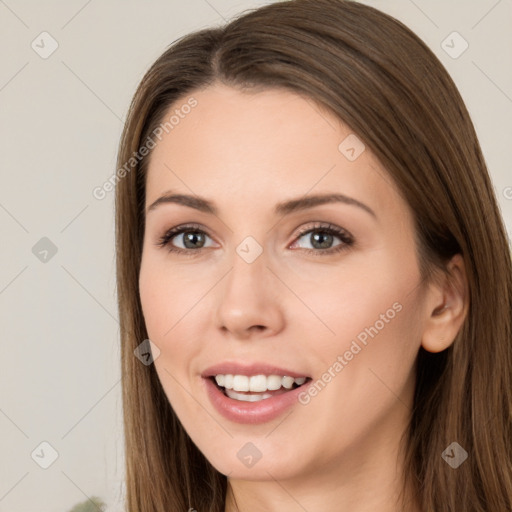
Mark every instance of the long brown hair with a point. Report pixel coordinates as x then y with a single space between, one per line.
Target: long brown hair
382 81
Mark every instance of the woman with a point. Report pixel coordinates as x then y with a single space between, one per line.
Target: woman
361 371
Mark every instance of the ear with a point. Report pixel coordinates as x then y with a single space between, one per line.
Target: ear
447 303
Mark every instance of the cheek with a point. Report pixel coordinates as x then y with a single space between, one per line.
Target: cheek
166 296
167 303
173 302
367 361
372 299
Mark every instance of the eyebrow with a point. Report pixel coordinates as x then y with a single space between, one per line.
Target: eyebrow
284 208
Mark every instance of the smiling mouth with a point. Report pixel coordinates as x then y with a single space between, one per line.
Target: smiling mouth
257 387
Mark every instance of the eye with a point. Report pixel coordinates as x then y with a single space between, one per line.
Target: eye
321 237
193 238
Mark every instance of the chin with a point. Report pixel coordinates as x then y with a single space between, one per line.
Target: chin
253 458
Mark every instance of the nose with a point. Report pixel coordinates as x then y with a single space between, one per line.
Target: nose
249 302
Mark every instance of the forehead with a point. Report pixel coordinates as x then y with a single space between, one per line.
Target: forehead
237 146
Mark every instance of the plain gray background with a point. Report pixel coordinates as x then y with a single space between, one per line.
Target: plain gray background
61 118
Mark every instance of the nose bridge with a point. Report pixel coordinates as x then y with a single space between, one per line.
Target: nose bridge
249 272
248 296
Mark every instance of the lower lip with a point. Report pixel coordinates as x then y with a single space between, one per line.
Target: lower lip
251 412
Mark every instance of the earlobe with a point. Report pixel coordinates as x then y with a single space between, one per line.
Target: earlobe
447 306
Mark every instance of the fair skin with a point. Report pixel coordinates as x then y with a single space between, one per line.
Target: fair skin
246 152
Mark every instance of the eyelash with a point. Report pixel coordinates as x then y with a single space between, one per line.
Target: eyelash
345 237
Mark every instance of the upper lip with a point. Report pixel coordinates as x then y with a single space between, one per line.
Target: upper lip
238 368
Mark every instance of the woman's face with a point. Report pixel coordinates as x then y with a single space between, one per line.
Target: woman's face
324 290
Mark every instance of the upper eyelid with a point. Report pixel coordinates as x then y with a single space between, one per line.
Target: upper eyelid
324 225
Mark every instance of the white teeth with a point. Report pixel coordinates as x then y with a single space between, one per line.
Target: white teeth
241 383
274 382
257 383
228 381
288 382
247 398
